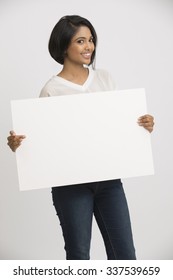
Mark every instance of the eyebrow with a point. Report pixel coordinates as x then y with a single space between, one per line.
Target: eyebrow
84 38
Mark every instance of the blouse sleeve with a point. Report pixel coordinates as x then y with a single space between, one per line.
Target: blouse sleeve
106 79
111 83
44 92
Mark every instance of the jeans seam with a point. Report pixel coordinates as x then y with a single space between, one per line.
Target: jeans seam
64 231
107 231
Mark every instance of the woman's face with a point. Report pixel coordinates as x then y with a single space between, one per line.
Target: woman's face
81 47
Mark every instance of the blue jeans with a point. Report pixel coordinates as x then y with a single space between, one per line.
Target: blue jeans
75 206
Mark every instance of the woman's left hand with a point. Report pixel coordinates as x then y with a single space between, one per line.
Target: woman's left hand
147 121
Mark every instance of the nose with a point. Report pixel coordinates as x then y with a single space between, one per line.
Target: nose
88 46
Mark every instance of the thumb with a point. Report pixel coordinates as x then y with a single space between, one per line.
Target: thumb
12 133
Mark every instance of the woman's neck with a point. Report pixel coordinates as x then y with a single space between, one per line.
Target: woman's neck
75 74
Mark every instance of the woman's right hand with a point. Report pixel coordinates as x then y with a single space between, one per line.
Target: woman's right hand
14 141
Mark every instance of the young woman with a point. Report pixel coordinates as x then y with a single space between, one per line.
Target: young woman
73 44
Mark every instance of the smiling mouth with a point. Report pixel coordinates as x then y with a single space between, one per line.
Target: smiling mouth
86 55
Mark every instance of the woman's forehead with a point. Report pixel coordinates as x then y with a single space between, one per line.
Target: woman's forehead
83 31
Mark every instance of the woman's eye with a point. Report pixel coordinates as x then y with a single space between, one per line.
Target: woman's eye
80 41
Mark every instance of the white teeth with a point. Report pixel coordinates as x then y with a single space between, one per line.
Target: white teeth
86 54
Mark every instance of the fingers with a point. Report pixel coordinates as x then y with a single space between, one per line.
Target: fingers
147 121
14 141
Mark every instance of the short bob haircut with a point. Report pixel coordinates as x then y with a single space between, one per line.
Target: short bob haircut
62 34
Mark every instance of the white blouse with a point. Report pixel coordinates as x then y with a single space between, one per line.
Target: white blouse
98 80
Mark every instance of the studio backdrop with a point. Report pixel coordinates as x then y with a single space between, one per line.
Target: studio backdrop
135 45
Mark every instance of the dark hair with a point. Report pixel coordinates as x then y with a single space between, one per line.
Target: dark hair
62 34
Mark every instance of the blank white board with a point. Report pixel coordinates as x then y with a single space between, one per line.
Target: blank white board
81 138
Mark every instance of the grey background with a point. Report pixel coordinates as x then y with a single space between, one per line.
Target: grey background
135 46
